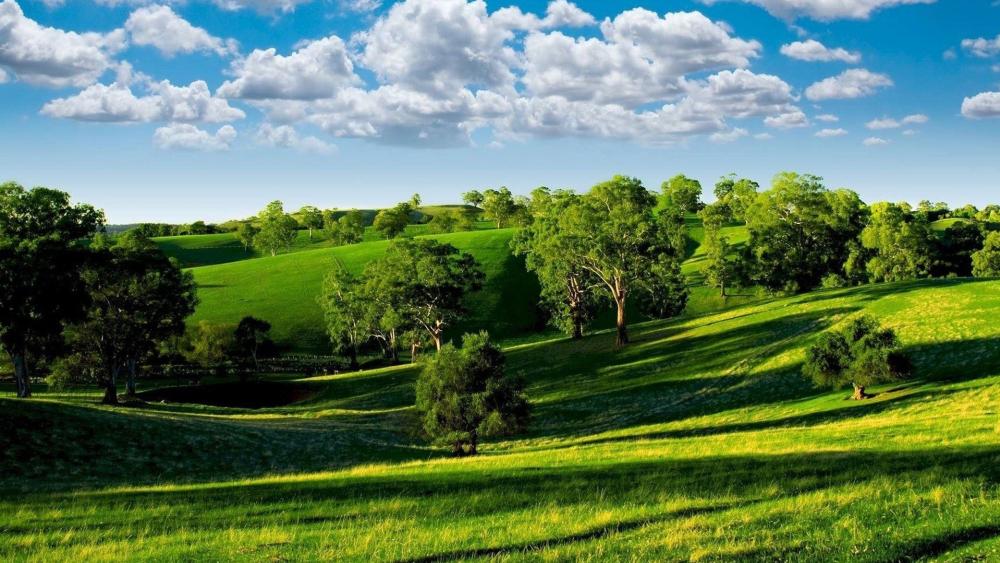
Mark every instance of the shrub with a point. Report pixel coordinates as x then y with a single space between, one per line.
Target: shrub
861 354
463 395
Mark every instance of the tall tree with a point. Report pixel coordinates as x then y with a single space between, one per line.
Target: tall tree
430 279
683 192
614 235
986 262
246 232
567 288
250 336
40 261
736 194
347 311
139 298
500 206
902 243
861 354
464 394
720 271
311 218
393 221
277 229
800 232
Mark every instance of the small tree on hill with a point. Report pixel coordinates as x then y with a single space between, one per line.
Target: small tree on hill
860 355
683 192
311 218
500 206
720 272
246 233
986 262
277 229
250 337
210 345
473 198
392 222
463 395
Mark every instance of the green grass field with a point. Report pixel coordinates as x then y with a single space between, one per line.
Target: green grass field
283 289
700 441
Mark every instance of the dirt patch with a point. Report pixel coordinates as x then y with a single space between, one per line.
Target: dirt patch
249 395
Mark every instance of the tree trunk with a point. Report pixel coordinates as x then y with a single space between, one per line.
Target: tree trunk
413 352
130 382
473 443
859 392
354 358
21 375
393 347
456 449
621 338
577 329
111 389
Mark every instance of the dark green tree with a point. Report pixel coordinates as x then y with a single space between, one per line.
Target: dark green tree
860 355
246 232
392 222
40 263
986 262
474 198
902 244
464 395
249 338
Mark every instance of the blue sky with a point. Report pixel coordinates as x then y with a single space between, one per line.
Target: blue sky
208 109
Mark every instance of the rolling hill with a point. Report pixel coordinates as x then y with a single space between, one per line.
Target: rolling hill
699 441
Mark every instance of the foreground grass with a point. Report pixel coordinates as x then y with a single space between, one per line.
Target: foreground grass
700 441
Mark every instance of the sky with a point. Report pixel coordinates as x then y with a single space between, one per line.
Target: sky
178 110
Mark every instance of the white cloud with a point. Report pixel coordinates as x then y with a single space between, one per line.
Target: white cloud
787 120
882 123
986 104
827 118
853 83
763 136
728 136
826 10
874 141
184 136
915 119
813 51
909 132
560 13
982 47
316 70
361 6
46 56
165 102
286 136
261 6
3 76
162 28
825 133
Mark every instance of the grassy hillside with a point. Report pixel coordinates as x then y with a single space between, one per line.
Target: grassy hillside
283 289
700 441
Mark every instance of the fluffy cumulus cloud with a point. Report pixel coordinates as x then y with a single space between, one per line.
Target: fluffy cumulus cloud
51 57
285 136
814 51
729 136
892 123
560 13
316 70
850 84
184 136
826 10
982 47
162 28
982 105
164 102
642 58
827 118
874 142
826 133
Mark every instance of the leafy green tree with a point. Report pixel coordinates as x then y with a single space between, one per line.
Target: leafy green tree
416 339
736 194
499 206
720 271
392 222
902 244
246 232
249 338
277 229
415 201
954 249
862 354
800 232
40 261
683 192
311 218
986 262
349 228
464 395
567 289
613 234
138 299
347 311
445 222
429 280
210 345
474 198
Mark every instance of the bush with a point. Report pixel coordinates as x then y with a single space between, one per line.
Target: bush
833 281
463 395
862 354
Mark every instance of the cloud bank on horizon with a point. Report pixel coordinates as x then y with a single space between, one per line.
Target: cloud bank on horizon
436 73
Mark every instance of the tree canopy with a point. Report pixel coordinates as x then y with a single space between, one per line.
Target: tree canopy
277 229
861 354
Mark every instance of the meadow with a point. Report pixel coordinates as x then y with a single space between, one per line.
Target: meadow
701 441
